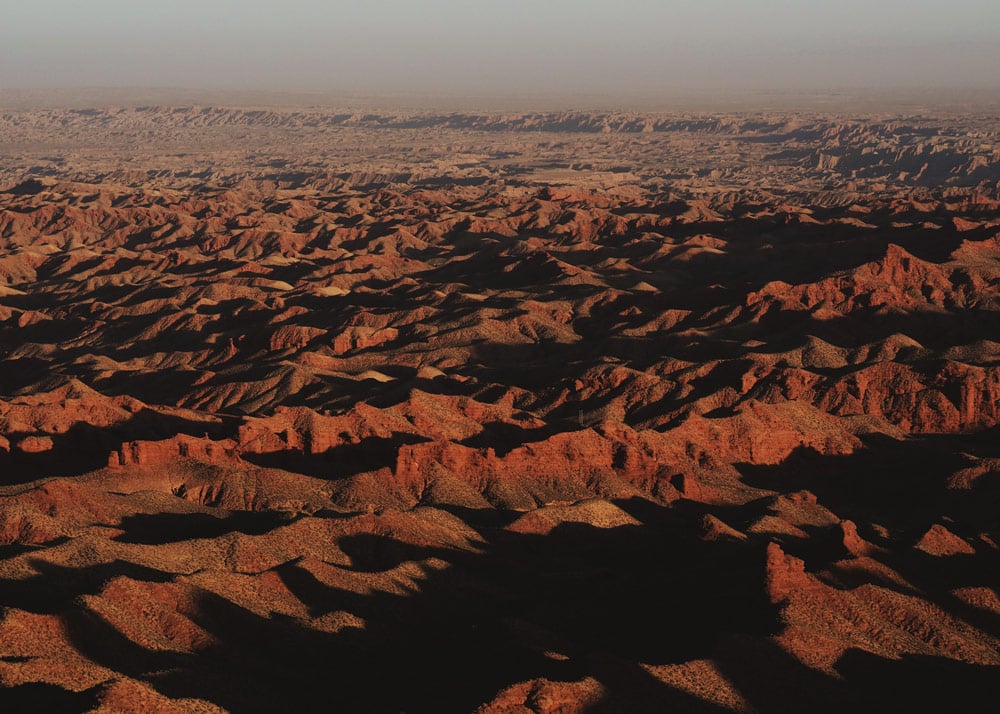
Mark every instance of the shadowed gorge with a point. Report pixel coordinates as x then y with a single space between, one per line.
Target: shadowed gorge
306 410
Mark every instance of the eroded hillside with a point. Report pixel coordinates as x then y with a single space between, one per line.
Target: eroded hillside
532 412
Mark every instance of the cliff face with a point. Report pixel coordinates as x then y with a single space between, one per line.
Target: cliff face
168 451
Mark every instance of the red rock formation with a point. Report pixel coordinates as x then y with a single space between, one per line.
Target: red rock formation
497 411
150 453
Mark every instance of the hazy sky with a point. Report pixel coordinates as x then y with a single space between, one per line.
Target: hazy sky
500 46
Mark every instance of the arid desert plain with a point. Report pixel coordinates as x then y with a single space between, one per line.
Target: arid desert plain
372 410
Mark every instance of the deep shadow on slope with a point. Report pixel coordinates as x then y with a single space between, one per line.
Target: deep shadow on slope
774 681
901 484
369 454
604 600
580 601
895 491
48 698
84 448
161 528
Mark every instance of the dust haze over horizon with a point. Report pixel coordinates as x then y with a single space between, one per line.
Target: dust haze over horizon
486 47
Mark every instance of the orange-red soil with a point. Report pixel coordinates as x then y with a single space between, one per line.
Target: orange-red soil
523 413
